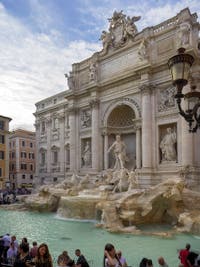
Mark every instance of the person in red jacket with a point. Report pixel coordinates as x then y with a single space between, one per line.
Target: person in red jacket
183 255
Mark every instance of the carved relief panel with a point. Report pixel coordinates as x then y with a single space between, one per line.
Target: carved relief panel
166 99
86 118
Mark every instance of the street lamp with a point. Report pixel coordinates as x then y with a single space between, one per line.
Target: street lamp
179 66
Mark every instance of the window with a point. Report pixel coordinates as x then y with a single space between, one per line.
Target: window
33 155
23 166
0 172
67 151
31 167
23 176
13 155
1 154
12 167
23 143
31 177
55 157
55 179
43 159
31 144
2 124
23 155
55 123
2 139
43 127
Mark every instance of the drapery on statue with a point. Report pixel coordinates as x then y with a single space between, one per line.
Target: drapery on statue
86 154
167 146
119 149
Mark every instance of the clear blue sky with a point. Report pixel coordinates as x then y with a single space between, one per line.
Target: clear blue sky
40 39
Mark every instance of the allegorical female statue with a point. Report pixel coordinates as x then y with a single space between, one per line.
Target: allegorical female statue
167 146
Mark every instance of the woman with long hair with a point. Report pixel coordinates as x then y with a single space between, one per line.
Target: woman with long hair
43 257
110 257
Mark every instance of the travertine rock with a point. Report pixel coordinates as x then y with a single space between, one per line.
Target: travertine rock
123 210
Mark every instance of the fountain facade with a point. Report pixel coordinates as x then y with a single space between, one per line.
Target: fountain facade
125 90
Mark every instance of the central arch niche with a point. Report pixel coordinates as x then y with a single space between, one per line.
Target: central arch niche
121 121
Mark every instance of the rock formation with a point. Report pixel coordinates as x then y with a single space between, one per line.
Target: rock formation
119 204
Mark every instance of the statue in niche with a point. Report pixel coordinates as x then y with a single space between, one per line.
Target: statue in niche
106 39
167 145
86 156
119 149
93 72
85 119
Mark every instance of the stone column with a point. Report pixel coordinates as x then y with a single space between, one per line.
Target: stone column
62 141
48 158
72 138
95 134
105 151
138 147
187 155
146 125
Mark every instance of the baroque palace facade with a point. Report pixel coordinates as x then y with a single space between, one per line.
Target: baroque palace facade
125 90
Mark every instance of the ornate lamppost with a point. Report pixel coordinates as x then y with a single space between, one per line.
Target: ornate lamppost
179 66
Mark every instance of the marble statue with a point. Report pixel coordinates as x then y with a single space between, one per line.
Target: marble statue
167 145
70 80
86 157
130 28
123 181
184 34
119 149
117 19
106 38
142 50
133 181
92 72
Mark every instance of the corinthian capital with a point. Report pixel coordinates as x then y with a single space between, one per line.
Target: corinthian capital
94 103
147 88
72 110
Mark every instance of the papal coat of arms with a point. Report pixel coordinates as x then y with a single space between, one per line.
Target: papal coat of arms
121 28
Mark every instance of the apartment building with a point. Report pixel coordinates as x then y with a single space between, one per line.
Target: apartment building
4 152
22 158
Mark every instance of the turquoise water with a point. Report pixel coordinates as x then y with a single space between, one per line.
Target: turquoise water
68 235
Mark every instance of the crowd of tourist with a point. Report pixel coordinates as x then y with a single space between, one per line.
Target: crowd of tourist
15 254
8 196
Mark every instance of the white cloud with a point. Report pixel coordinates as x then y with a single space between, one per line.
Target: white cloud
32 64
151 13
32 67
